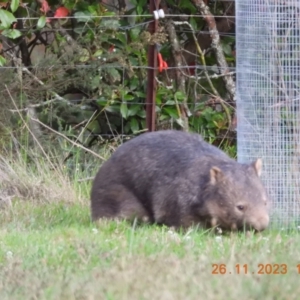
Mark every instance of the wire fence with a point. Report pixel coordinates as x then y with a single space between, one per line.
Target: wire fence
268 76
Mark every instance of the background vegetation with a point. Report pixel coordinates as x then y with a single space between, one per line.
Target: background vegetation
80 68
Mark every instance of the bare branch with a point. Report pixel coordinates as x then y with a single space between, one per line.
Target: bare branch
216 45
202 56
180 79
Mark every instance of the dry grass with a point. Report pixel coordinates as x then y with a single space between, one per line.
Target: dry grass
35 181
43 175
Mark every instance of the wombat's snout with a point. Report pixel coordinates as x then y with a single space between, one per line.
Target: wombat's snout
261 223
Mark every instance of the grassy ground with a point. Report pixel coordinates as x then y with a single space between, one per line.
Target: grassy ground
49 249
52 251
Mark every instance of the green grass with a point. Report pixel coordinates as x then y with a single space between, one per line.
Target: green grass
49 249
53 251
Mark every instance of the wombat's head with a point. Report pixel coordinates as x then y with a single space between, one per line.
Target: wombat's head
236 197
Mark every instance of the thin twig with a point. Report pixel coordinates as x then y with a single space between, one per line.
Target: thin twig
35 105
216 45
82 131
69 140
213 76
85 179
180 80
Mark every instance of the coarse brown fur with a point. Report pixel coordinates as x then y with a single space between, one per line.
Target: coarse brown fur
177 179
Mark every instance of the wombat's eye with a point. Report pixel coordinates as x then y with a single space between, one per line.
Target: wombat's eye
240 207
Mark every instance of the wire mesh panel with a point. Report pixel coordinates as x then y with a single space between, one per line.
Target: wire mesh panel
268 95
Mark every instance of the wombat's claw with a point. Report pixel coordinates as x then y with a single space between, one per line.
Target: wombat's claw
213 222
145 219
218 230
233 227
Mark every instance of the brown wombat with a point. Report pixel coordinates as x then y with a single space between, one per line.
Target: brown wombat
177 179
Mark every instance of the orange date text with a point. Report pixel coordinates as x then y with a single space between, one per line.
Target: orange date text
260 269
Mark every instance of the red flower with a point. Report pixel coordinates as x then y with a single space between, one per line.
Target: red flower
61 12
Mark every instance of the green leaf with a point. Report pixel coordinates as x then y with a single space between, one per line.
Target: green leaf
110 24
228 39
6 18
102 101
112 109
95 82
170 102
2 61
140 94
12 33
193 22
41 22
227 49
109 14
187 5
179 95
171 111
134 125
163 117
14 5
142 2
133 109
122 37
134 33
230 59
98 53
85 55
124 110
141 114
80 29
158 99
92 9
83 16
133 83
207 117
114 73
139 10
128 97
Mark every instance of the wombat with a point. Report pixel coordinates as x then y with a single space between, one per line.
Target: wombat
177 179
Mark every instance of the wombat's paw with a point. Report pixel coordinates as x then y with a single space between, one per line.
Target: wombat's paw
233 227
213 222
173 228
219 230
145 219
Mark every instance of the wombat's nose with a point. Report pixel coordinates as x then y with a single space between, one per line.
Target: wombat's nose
262 223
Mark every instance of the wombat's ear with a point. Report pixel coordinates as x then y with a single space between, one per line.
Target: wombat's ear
257 165
215 175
